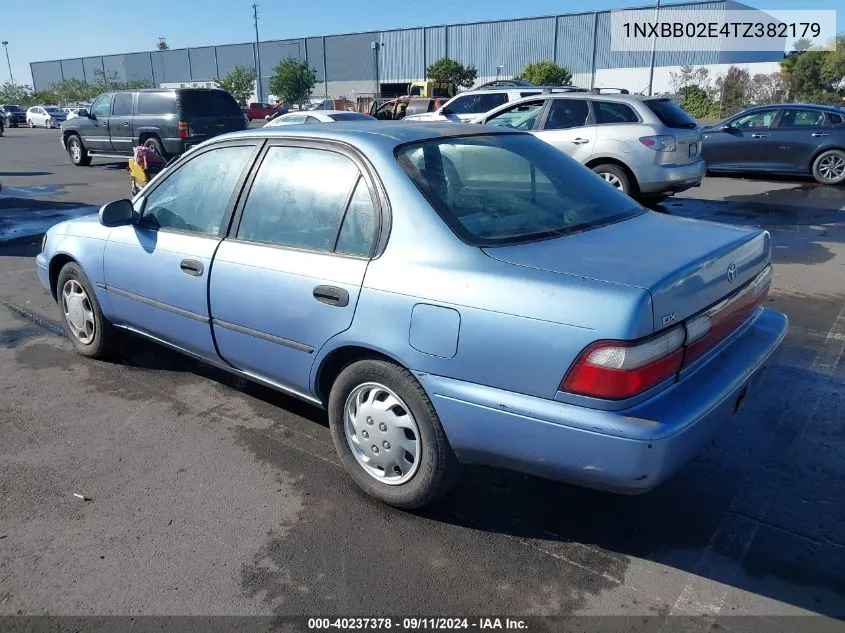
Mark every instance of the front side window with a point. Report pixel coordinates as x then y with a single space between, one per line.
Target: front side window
612 112
792 117
567 113
755 120
298 198
102 106
519 117
196 196
505 188
122 104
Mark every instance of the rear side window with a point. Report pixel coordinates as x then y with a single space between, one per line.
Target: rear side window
835 119
801 118
612 112
122 105
157 103
670 114
487 102
196 103
529 93
298 198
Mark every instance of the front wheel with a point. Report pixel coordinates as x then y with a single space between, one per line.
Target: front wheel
89 331
31 123
79 156
48 124
829 167
389 436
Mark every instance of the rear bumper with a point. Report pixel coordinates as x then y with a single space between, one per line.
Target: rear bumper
668 179
629 451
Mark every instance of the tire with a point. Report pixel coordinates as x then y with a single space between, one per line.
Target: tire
829 167
434 469
83 158
615 175
31 123
47 124
96 337
154 144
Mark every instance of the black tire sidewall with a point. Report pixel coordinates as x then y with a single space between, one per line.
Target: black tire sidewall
155 144
100 346
438 465
816 162
619 173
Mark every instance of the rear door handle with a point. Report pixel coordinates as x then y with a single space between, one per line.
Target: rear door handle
126 123
759 135
330 295
580 141
192 267
819 134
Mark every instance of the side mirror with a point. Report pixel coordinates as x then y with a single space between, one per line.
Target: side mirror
445 111
725 128
82 112
117 213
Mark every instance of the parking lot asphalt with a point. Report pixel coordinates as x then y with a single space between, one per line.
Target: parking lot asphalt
211 495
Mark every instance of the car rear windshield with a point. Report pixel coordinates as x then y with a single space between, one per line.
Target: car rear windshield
350 116
209 103
671 114
505 188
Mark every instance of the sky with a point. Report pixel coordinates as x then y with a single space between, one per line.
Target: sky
63 28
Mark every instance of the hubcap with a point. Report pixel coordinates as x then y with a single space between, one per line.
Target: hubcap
382 433
832 167
78 312
613 180
75 150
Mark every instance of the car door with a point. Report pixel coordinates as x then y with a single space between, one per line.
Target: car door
96 135
289 278
798 134
156 270
742 143
120 123
569 126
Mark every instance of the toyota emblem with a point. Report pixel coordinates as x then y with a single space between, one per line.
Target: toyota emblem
732 273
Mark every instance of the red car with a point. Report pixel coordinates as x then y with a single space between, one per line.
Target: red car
259 110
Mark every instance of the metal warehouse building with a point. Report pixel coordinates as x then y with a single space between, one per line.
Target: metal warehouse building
347 66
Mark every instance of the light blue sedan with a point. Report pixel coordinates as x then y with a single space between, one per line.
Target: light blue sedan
449 294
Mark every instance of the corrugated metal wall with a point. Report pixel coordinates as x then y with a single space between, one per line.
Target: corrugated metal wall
568 39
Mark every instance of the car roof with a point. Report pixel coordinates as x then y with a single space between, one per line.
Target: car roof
809 106
385 133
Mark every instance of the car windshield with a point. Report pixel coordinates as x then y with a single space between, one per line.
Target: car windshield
504 188
12 108
670 114
350 116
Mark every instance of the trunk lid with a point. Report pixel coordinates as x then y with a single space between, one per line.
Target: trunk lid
686 265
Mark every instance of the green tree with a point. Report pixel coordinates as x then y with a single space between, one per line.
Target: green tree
75 91
292 81
449 71
240 83
733 89
696 102
546 73
18 94
45 97
111 81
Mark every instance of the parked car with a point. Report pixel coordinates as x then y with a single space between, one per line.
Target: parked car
449 294
168 121
787 138
396 109
13 115
317 116
45 116
259 110
471 104
647 147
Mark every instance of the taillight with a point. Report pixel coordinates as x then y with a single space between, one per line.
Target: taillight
661 143
184 132
706 330
616 370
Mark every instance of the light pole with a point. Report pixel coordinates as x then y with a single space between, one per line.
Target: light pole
376 46
8 63
653 50
499 69
259 92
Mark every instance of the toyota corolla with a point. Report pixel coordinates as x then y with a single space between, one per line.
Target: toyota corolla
449 294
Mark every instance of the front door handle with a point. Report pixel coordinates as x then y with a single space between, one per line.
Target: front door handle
192 267
759 135
819 134
126 123
330 295
580 141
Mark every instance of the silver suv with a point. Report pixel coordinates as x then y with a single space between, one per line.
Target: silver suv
470 105
646 146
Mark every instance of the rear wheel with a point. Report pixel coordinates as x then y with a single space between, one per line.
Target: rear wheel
829 167
389 436
79 156
155 144
615 176
48 124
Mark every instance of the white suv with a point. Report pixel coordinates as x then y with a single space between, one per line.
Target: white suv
646 146
468 106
